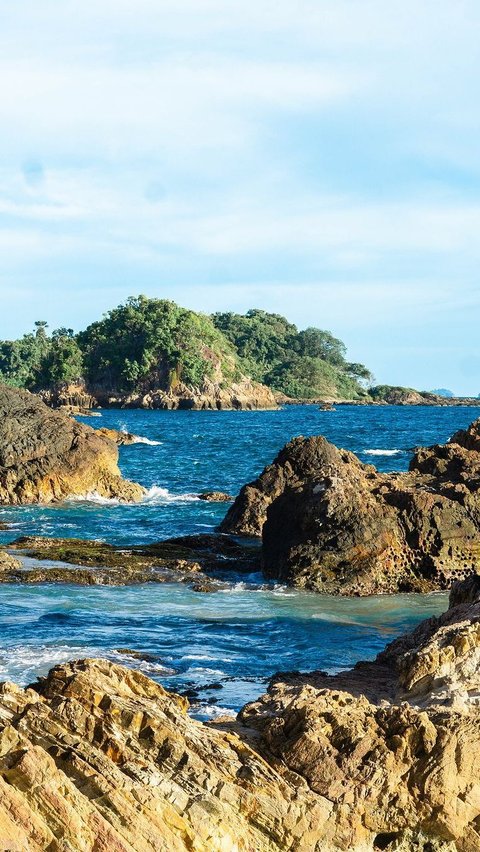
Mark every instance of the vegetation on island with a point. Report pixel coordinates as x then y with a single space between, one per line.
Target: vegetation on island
156 343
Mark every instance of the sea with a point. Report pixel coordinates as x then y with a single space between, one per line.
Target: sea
220 648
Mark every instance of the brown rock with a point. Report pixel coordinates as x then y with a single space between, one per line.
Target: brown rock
215 497
117 437
332 524
46 456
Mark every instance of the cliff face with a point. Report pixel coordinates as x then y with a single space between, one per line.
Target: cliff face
330 523
243 394
385 756
46 456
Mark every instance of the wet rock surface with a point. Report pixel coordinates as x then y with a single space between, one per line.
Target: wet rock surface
205 562
332 524
46 456
386 756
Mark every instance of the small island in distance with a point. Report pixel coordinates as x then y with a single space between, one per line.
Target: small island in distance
152 353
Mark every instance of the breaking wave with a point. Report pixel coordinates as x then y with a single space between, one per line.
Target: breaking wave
155 495
382 452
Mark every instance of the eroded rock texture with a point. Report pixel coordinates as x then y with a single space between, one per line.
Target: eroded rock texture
46 456
333 524
98 758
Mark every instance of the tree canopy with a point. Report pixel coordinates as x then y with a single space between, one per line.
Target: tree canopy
154 343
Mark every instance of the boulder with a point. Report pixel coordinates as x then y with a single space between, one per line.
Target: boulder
332 524
46 456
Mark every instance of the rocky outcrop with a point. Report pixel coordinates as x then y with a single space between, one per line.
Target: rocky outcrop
241 395
386 756
73 397
393 745
204 562
47 456
215 497
332 524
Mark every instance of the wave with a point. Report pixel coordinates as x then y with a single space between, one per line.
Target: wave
139 439
394 452
158 496
155 496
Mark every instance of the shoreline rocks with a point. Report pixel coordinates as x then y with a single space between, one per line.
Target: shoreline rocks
204 562
46 456
384 756
242 395
332 524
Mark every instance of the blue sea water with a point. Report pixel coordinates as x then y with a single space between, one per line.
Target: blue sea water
237 637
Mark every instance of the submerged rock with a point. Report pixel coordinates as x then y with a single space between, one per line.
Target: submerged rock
47 456
203 561
332 524
386 756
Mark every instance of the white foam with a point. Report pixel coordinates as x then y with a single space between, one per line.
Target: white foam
159 495
382 452
140 439
214 711
155 495
93 497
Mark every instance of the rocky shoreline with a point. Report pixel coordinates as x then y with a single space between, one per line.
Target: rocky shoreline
46 456
98 757
242 395
334 525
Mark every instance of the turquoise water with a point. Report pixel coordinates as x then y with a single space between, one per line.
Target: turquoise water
222 647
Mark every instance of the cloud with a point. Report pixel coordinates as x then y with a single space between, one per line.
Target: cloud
317 158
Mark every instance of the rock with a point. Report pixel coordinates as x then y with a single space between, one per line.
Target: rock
393 744
385 756
67 396
204 562
335 525
243 395
117 437
215 497
47 456
8 562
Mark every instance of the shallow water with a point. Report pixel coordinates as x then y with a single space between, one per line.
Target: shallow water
238 637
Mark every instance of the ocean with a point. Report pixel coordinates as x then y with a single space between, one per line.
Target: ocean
221 647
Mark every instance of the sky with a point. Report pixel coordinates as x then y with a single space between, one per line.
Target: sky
317 158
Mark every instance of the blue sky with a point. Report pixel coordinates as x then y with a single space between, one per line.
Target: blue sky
318 158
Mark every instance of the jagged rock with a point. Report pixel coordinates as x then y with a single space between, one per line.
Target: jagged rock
215 497
385 756
330 523
8 562
117 437
74 397
241 395
47 456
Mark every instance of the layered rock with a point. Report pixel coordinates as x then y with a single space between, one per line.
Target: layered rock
385 756
47 456
214 395
330 523
394 745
